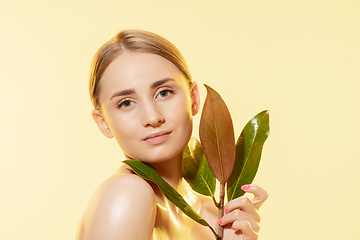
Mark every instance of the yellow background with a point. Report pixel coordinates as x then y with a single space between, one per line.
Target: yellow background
300 59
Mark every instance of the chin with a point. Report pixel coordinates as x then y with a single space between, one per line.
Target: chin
159 154
158 157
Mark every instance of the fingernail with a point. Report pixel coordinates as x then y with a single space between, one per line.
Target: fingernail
245 187
220 221
226 212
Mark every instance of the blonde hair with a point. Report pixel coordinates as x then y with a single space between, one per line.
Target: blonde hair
134 41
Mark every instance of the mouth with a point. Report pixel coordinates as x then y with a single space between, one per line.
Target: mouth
157 138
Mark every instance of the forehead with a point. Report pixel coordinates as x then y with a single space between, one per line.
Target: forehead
130 70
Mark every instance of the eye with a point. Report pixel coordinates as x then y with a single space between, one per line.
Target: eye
165 93
125 104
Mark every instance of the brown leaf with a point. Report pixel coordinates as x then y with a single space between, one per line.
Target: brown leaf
217 136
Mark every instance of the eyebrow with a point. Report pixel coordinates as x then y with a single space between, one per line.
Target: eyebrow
160 82
132 91
122 93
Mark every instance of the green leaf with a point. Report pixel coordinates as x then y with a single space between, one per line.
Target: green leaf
248 153
217 136
196 170
148 172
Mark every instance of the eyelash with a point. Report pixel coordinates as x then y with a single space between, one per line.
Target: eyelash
171 91
122 102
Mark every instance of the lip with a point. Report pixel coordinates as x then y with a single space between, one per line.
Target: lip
157 138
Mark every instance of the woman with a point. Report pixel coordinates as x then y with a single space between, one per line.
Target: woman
144 96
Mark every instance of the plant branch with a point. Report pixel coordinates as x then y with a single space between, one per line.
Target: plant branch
215 202
217 237
220 229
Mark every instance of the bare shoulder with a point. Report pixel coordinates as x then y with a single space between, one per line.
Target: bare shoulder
118 207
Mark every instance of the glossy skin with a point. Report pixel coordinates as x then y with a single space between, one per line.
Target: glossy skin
147 105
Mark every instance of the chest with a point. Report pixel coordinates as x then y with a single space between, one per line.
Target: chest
174 225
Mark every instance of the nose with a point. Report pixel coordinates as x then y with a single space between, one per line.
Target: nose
152 116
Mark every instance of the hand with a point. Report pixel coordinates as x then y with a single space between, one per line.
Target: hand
241 219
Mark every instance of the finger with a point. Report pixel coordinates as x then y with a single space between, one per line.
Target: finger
238 215
244 204
244 228
260 195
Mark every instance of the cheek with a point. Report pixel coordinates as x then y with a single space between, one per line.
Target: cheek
123 128
181 116
179 110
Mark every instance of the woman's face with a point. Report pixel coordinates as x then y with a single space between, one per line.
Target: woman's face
147 105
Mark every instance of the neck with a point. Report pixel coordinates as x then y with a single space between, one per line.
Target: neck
171 171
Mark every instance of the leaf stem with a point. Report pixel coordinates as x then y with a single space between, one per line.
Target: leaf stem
220 229
217 237
215 202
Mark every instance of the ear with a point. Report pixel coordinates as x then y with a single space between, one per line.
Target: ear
195 98
100 121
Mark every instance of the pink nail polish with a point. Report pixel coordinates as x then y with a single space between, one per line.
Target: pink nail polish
220 221
226 212
245 187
